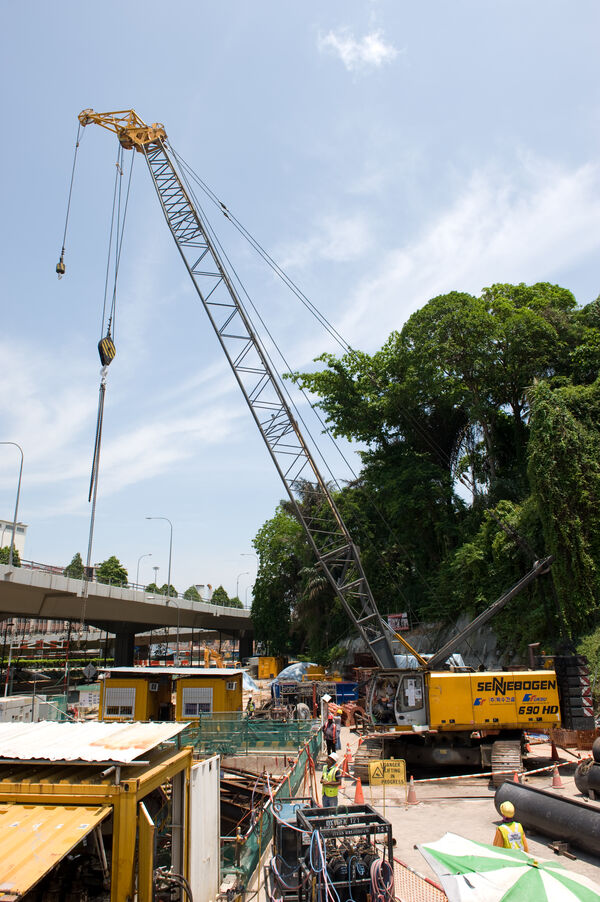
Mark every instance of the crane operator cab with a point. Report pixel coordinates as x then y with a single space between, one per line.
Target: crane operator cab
398 697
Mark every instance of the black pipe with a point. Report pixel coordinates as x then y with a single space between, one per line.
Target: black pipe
552 815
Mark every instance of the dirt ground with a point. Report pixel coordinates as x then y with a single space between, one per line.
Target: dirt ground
465 807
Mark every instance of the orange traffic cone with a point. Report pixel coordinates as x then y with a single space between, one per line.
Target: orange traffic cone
359 798
557 783
412 793
516 777
345 771
554 756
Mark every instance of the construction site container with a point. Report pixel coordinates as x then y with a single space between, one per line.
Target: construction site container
269 667
168 693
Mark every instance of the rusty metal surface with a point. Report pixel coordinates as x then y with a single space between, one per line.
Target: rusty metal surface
34 838
118 743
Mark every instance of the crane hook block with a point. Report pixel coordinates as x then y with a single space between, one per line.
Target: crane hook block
60 267
107 350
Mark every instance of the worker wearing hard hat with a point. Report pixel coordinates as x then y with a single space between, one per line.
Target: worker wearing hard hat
331 780
510 833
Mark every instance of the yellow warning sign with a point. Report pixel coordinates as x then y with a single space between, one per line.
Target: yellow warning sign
391 772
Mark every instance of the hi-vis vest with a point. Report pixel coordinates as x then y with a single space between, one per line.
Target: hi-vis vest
512 835
329 773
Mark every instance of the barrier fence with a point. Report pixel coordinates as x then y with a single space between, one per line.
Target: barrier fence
237 734
242 856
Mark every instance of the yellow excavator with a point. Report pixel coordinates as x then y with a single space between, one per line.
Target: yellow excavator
423 709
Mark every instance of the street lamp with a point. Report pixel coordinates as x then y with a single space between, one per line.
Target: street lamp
237 585
156 569
170 549
137 572
14 531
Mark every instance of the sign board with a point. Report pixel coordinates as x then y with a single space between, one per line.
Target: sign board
398 622
390 772
89 699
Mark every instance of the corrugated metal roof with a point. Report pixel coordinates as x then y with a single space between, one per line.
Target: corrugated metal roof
118 743
173 671
33 838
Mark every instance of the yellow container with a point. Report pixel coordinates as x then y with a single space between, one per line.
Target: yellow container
269 667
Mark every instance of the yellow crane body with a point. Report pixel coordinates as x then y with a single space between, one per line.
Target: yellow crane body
493 700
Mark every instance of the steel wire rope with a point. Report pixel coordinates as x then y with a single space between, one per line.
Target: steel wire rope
424 434
118 230
62 253
443 456
329 327
282 385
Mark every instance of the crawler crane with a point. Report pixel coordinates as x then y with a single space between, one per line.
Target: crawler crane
430 714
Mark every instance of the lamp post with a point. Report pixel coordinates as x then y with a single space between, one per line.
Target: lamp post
170 549
137 572
255 556
237 584
14 530
156 569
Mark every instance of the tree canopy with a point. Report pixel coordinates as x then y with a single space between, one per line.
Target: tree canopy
480 423
75 568
5 556
113 572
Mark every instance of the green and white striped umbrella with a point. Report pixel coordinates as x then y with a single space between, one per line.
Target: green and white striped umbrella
476 872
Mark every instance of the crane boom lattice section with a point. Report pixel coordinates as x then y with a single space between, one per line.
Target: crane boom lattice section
326 531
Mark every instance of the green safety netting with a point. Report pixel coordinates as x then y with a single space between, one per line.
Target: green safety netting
242 858
236 734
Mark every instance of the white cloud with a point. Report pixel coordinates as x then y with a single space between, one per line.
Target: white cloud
355 54
526 228
336 238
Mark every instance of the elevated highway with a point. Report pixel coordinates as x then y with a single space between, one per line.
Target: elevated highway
41 594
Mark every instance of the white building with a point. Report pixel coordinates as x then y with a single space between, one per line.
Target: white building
6 529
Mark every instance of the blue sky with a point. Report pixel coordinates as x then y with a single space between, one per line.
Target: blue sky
383 152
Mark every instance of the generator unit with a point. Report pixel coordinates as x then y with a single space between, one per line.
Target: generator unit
348 849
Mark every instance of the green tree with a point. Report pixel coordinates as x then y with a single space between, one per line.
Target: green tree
153 589
234 602
5 556
113 572
220 596
75 568
171 591
192 594
564 469
281 549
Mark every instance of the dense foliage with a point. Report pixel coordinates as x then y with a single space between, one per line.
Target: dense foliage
75 569
5 556
112 571
480 421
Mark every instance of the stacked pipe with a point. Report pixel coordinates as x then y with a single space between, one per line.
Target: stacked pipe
553 815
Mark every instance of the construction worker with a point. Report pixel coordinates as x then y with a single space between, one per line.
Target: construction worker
338 729
331 780
250 707
329 734
510 833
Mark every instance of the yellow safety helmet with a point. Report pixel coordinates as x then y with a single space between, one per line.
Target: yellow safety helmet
507 809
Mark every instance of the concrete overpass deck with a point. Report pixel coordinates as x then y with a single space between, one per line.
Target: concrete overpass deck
123 611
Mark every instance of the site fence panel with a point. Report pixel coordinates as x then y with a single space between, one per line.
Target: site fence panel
242 857
236 734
